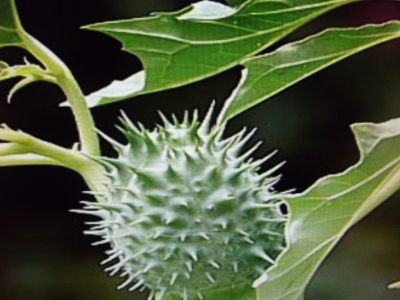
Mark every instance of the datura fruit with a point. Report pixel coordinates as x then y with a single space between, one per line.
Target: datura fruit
186 213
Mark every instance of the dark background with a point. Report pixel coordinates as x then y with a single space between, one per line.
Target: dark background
43 253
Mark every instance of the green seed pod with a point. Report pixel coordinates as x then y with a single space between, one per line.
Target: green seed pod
186 213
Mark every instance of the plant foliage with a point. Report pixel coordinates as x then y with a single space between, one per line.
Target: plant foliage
199 41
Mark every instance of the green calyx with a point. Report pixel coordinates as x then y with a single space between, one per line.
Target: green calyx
186 214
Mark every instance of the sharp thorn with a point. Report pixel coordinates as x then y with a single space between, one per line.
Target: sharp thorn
151 296
184 294
270 171
214 264
235 266
204 236
161 294
173 278
112 257
189 266
183 237
257 251
242 232
125 283
209 277
136 286
248 240
167 123
205 125
192 253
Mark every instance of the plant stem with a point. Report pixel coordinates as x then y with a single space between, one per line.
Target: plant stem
23 149
83 118
21 145
10 149
27 159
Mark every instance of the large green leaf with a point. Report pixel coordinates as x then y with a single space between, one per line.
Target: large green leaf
8 24
235 2
268 74
321 215
230 293
201 40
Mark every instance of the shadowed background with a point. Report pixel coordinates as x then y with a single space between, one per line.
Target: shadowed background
43 253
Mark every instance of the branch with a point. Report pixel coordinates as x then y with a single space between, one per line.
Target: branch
22 145
26 159
65 80
10 149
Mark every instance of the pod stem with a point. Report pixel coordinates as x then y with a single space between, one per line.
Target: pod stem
22 148
66 81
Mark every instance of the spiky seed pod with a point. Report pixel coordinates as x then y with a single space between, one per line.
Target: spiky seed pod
186 212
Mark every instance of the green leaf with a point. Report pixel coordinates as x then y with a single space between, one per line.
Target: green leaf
30 72
8 24
321 215
203 40
268 74
242 292
117 90
235 2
